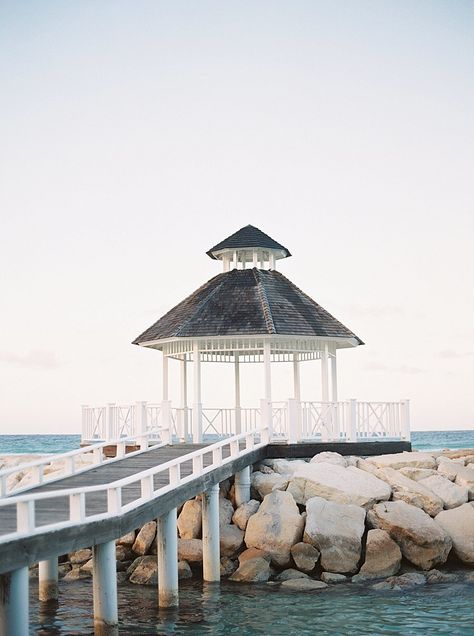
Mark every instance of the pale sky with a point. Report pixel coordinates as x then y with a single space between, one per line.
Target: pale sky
136 135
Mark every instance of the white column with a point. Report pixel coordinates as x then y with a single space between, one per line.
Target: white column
267 370
48 580
104 582
296 377
167 549
14 603
235 260
242 486
324 374
183 428
272 261
334 377
165 391
254 258
238 418
197 405
211 566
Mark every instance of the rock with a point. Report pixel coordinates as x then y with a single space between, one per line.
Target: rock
190 550
231 540
411 579
435 576
332 577
383 585
145 538
287 467
253 553
190 520
123 553
413 492
450 494
305 556
329 457
303 585
417 473
351 460
336 531
64 568
80 556
146 572
226 511
228 566
275 527
402 460
224 488
127 539
459 524
338 484
265 484
255 570
447 468
383 557
289 574
421 539
132 567
88 566
184 571
244 512
77 574
121 578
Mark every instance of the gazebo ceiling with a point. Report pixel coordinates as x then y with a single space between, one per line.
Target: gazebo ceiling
248 302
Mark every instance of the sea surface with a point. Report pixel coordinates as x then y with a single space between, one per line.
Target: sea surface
45 444
260 610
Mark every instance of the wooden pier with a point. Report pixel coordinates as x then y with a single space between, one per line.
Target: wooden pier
95 507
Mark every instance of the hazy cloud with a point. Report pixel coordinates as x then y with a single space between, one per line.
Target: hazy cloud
40 359
407 369
378 311
449 353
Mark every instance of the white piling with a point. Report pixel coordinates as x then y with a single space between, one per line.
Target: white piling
14 603
48 580
167 548
211 566
242 486
105 585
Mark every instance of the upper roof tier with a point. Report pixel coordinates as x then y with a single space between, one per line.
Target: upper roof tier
248 245
244 302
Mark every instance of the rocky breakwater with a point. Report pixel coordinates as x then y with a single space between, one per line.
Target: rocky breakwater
391 521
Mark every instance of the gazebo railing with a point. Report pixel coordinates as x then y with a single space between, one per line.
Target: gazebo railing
292 421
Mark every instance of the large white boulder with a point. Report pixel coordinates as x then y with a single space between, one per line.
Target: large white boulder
275 527
189 520
286 466
231 540
266 483
383 556
305 556
413 492
417 474
459 524
450 494
421 539
336 531
336 483
244 512
329 457
402 460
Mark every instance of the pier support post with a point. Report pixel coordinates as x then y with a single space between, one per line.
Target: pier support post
167 548
14 603
242 486
211 564
48 580
105 585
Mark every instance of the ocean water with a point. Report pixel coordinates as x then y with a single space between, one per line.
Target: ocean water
44 444
260 610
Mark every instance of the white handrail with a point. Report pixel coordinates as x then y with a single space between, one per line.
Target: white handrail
69 457
26 525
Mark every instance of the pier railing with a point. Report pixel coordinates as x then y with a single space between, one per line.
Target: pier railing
122 496
54 467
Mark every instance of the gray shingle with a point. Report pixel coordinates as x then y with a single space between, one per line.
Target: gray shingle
246 302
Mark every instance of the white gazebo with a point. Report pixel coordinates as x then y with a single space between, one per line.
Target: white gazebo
251 313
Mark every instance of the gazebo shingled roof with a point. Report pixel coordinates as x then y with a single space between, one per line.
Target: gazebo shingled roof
247 302
248 236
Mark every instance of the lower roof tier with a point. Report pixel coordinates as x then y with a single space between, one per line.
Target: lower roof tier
245 303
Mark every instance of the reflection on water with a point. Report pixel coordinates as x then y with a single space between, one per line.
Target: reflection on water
263 610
